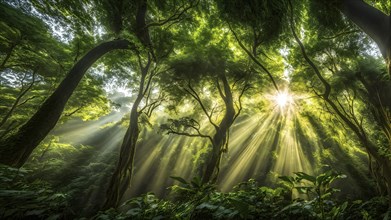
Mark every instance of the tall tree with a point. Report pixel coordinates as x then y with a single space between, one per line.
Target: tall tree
373 22
201 79
347 114
16 149
256 26
156 50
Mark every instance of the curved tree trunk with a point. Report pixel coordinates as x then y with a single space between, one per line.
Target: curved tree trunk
220 139
373 22
120 181
16 149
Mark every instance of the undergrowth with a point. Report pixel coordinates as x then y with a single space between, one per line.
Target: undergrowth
21 199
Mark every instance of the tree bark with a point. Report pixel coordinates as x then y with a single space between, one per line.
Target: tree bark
220 139
373 22
11 126
387 175
15 150
120 181
384 164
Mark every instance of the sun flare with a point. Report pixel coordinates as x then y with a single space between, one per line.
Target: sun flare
283 99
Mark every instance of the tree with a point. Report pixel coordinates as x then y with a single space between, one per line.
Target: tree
19 146
373 22
257 24
122 175
156 52
209 71
347 114
16 149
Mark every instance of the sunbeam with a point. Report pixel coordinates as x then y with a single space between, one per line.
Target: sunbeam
278 141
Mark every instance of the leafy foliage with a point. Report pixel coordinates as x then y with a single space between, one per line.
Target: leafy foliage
317 189
21 199
266 16
247 200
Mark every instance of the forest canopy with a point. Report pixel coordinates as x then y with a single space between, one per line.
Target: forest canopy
195 109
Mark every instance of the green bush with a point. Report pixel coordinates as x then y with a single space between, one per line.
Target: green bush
20 199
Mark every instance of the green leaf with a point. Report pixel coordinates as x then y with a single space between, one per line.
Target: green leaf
302 175
180 179
303 189
287 179
134 212
206 205
159 217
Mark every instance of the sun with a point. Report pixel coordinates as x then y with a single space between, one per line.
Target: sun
283 99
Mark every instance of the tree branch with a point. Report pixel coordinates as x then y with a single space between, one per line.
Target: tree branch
309 61
254 58
195 95
73 112
177 15
220 90
325 96
340 34
22 93
28 99
239 106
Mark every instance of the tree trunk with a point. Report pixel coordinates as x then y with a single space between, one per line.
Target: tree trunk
219 143
212 166
373 22
387 176
11 126
385 169
388 179
220 139
120 181
378 97
364 16
15 150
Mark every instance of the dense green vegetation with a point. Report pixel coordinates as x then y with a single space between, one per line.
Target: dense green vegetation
195 109
193 200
